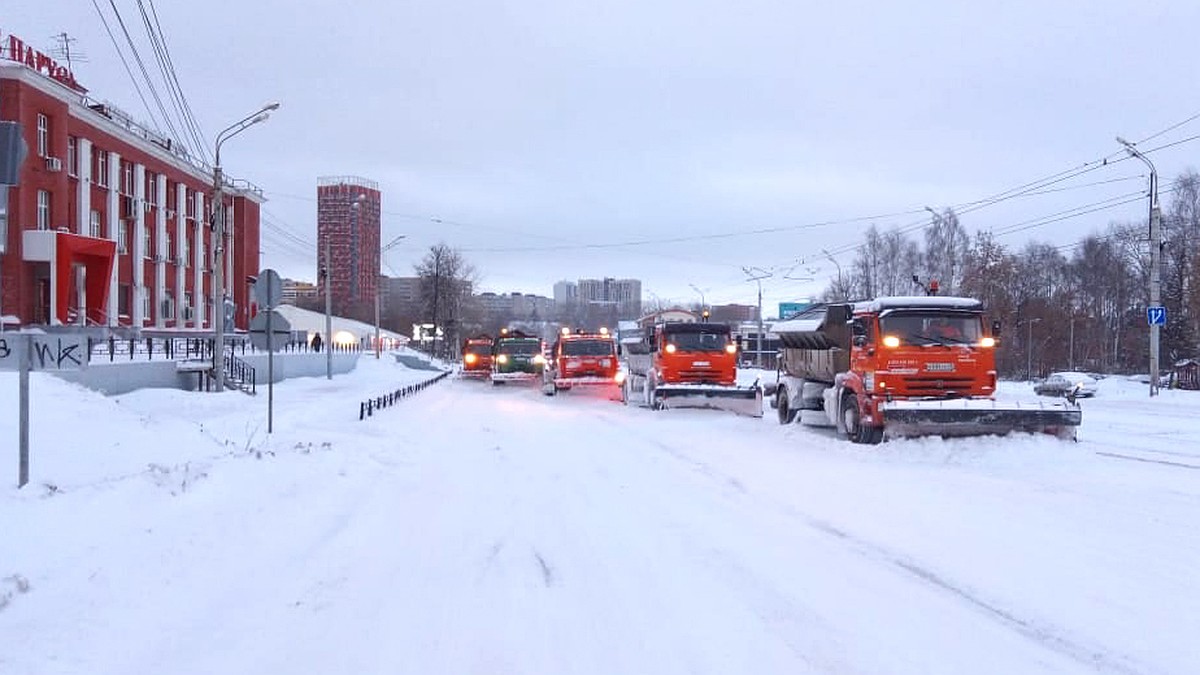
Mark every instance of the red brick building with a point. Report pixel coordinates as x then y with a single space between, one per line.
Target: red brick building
108 225
353 234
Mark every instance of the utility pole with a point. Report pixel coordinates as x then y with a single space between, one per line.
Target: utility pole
218 245
218 239
1071 348
1155 259
841 289
757 278
378 276
328 312
1029 348
437 287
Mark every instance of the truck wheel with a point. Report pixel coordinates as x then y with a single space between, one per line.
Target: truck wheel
852 423
786 414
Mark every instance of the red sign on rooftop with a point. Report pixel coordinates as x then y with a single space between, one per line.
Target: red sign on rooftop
17 50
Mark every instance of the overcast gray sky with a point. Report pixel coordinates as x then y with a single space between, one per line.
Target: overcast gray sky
533 125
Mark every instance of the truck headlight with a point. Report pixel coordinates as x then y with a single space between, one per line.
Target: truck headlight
539 359
503 358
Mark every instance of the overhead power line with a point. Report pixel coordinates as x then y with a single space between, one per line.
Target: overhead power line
137 57
121 55
166 65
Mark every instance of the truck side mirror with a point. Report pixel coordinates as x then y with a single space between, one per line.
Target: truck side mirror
860 340
996 329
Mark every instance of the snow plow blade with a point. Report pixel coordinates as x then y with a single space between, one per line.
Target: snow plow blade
746 401
969 417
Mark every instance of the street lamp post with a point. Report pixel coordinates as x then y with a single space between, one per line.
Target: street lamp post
703 302
829 255
383 250
1155 258
218 238
1071 348
326 275
1029 348
757 278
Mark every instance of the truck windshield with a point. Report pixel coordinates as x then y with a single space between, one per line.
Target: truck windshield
587 348
931 328
520 347
698 342
478 350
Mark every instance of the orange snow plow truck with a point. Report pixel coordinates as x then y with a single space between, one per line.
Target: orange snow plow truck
903 366
679 364
477 356
582 359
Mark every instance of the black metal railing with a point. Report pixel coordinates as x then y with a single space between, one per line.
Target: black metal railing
240 374
368 407
151 348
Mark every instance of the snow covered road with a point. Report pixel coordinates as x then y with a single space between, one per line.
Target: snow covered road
478 529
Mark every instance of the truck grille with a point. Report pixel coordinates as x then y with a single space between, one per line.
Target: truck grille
937 385
699 376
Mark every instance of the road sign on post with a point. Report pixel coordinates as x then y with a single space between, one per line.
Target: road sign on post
268 328
268 289
24 352
1156 315
272 338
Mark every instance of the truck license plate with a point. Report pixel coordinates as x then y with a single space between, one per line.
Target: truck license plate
701 363
939 367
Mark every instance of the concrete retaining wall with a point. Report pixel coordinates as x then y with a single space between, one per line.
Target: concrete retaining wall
117 378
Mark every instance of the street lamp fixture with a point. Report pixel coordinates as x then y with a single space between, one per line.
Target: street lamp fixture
218 238
703 302
386 247
1029 347
1155 258
829 255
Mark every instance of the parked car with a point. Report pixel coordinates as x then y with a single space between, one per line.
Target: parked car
1061 383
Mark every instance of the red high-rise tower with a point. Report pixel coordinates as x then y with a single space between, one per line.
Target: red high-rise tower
348 210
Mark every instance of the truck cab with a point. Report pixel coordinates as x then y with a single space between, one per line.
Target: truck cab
477 356
582 358
517 357
694 353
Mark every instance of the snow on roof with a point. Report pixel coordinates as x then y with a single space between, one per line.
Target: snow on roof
917 301
797 325
314 322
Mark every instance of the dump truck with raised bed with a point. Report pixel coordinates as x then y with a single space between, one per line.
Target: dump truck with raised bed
517 357
903 366
687 365
477 357
583 359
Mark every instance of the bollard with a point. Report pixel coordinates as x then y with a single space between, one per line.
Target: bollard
111 342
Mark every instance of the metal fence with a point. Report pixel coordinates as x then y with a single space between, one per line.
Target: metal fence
368 407
150 348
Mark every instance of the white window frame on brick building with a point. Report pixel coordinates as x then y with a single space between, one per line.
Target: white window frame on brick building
94 224
122 237
43 135
43 209
72 156
102 168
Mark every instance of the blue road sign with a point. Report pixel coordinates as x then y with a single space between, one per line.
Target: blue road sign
1156 316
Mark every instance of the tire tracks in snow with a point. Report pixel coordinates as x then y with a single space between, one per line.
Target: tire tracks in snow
1050 637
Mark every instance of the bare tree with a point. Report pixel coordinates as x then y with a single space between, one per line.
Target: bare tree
447 284
946 244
